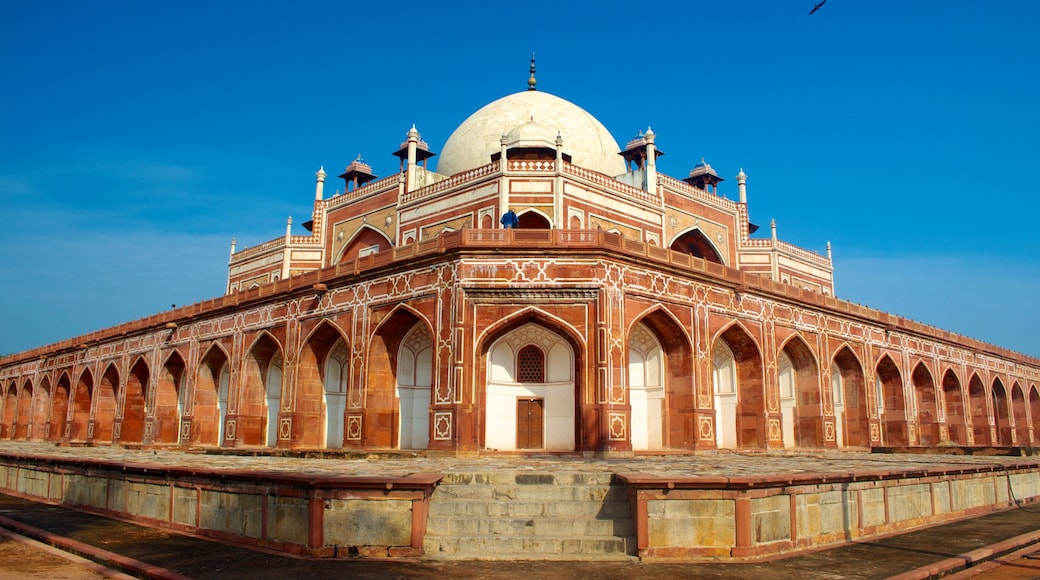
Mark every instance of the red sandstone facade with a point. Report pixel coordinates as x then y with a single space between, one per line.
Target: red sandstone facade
626 313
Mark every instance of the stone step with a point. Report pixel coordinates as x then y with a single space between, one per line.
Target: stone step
551 492
551 527
529 509
514 478
529 548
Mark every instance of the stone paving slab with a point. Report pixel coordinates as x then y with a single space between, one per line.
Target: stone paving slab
389 464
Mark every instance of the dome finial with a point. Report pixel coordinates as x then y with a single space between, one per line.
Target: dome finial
531 82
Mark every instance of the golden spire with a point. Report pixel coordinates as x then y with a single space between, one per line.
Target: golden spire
531 82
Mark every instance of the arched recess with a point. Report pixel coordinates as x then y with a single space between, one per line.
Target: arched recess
695 243
667 379
1021 416
1001 416
105 413
893 403
927 406
131 428
381 420
414 387
978 414
261 392
1034 412
59 407
321 396
801 403
850 400
169 407
24 419
10 404
210 405
530 393
81 401
366 241
41 409
956 417
533 220
739 391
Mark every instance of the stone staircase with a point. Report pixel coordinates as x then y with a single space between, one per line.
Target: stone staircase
529 516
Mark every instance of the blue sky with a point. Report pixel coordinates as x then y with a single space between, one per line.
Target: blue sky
138 138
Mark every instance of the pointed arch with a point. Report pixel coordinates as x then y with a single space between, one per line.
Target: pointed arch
1001 414
10 405
40 411
749 409
382 414
850 399
1034 413
978 411
414 387
927 405
1020 415
957 424
24 420
524 415
801 398
365 241
169 399
131 428
892 402
59 407
313 394
664 359
81 402
693 241
533 219
210 397
105 411
261 391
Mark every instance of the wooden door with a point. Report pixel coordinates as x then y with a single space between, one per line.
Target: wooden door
529 423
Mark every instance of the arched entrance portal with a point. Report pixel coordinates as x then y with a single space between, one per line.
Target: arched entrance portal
695 243
953 399
850 400
893 403
530 398
645 388
739 392
414 382
800 400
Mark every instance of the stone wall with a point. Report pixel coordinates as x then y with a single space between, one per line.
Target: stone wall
320 517
754 517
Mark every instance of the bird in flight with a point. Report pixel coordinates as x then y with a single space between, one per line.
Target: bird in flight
817 7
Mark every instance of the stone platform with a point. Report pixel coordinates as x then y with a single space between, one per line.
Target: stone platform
726 506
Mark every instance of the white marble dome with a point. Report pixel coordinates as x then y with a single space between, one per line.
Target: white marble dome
585 139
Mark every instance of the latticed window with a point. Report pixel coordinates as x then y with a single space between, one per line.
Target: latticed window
530 365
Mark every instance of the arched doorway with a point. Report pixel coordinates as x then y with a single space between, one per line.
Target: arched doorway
800 400
81 407
1001 416
850 400
337 374
169 406
530 395
24 420
1034 412
59 408
953 399
739 391
105 413
695 243
893 403
209 409
41 407
532 220
10 405
132 426
1021 416
414 384
979 416
927 406
261 388
645 388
